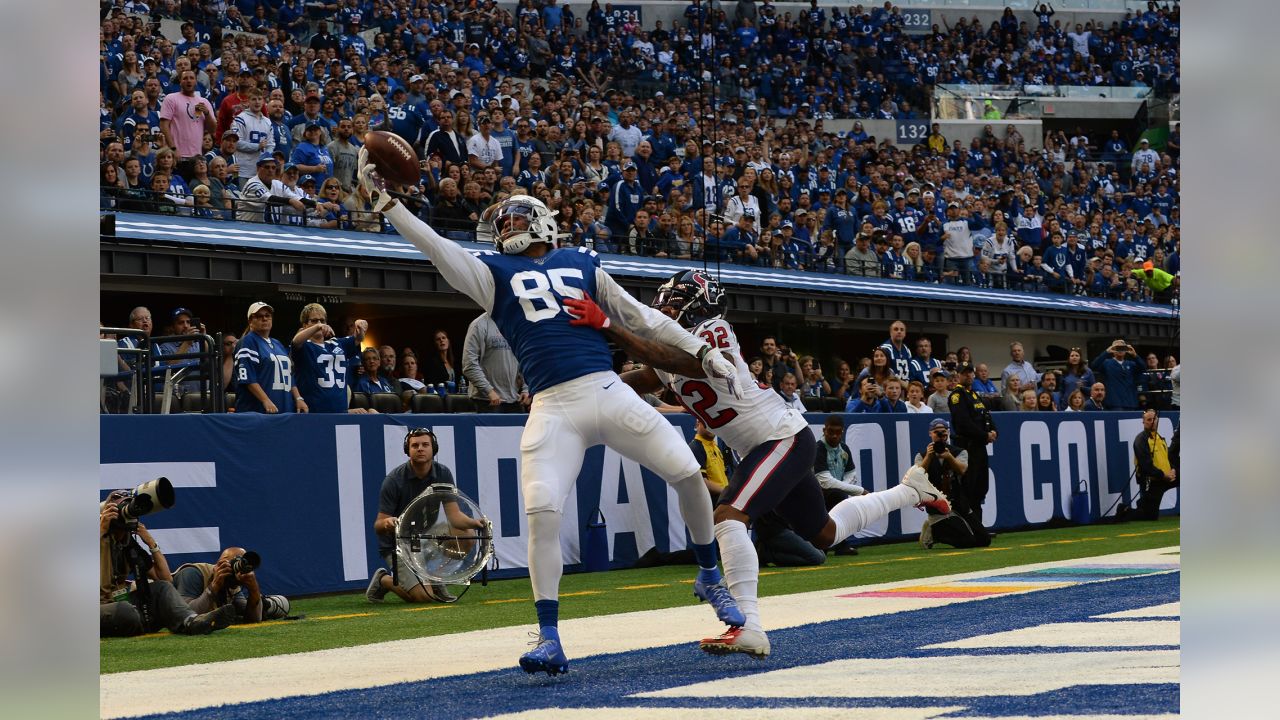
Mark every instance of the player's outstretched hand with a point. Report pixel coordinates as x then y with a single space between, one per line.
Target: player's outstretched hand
372 182
586 312
716 365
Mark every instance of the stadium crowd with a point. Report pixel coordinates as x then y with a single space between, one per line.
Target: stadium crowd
702 141
481 374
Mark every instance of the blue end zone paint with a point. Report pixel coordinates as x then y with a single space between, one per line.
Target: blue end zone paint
607 681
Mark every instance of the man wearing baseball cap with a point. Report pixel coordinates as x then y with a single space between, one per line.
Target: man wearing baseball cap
1118 369
974 430
1162 284
263 369
946 465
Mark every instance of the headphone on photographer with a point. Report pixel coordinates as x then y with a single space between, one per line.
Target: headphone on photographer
419 432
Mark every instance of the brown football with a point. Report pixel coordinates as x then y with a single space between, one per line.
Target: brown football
395 158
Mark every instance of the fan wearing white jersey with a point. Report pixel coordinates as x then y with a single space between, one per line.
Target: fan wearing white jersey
774 441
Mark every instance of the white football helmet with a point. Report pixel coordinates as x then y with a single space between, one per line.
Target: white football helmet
516 223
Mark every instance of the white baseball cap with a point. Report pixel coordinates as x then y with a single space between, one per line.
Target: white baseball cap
259 306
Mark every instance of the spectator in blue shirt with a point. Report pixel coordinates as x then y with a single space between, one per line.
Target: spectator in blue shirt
867 400
311 157
1118 369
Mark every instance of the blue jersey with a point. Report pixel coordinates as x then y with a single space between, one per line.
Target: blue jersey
845 224
900 357
920 369
907 220
528 310
409 122
267 363
322 373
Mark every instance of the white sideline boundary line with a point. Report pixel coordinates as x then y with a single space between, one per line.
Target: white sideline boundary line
190 687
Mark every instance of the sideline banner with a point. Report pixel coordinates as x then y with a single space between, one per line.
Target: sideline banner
302 490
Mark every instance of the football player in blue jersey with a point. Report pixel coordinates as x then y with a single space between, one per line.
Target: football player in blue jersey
322 360
263 370
579 400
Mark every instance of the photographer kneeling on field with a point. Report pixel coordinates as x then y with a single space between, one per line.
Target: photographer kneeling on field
946 465
229 582
150 601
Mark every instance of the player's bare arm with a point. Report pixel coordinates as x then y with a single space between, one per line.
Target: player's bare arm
643 380
663 357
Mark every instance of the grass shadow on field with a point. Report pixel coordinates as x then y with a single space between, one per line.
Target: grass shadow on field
344 620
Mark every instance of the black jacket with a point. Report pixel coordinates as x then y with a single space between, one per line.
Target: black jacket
970 418
943 477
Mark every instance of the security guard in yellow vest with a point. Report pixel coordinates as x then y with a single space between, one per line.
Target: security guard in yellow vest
1155 472
973 428
716 465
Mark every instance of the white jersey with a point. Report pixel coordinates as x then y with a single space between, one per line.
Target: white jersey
760 416
252 130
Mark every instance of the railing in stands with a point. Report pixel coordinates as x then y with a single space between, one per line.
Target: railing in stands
171 374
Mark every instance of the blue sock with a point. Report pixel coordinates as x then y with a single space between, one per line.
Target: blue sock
548 613
706 557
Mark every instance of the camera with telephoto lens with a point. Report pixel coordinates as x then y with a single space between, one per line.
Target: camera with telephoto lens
151 496
246 563
949 365
939 447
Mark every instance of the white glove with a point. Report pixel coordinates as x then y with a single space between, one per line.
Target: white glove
372 182
716 365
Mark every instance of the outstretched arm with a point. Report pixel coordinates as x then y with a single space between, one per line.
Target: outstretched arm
663 357
644 380
642 319
459 267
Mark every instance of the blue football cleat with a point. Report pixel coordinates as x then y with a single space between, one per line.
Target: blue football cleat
725 606
546 656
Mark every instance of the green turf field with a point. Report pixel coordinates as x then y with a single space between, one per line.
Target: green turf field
345 620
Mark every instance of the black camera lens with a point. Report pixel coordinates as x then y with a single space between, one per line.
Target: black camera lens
245 563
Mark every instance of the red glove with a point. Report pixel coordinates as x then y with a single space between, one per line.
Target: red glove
586 312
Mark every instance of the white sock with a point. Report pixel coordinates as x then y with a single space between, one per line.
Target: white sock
855 513
741 568
545 562
695 508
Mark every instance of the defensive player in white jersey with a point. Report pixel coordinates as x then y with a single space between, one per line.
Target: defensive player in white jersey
774 441
578 400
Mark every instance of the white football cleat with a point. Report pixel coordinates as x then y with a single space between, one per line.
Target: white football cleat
737 640
930 497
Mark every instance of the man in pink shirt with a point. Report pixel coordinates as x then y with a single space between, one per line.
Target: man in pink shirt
184 119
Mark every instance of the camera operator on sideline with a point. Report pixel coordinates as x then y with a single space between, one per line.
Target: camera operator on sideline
399 488
229 581
150 601
946 465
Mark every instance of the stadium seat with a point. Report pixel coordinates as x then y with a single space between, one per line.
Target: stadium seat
812 403
832 404
359 401
457 403
427 403
387 402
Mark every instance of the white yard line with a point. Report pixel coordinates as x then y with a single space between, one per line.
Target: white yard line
189 687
